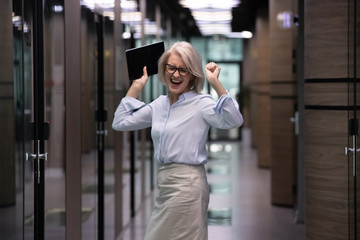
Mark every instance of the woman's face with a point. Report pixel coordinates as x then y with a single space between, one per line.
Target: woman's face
178 78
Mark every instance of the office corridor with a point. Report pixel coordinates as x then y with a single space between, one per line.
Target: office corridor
240 206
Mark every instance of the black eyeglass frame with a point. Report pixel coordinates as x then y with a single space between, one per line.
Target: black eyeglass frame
176 69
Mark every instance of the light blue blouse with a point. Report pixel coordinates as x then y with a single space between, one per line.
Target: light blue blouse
180 131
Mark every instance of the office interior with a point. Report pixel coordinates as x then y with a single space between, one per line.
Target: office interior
290 172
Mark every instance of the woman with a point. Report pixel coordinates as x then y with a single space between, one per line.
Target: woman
180 123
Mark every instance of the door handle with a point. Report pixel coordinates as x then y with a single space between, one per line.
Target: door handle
102 132
295 120
350 150
353 150
29 156
38 156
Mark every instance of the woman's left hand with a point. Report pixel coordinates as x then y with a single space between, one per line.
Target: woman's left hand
212 71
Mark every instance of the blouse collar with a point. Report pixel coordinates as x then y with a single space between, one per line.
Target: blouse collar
184 96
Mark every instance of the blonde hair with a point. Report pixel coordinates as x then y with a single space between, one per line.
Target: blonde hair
191 59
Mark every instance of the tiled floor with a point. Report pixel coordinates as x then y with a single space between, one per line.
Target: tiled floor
240 207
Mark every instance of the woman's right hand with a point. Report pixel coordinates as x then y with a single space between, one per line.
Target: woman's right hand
140 82
137 85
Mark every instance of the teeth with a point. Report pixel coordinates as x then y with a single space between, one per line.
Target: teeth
174 81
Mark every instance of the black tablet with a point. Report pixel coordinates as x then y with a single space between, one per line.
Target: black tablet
139 57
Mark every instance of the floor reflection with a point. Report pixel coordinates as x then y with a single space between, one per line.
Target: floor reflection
219 217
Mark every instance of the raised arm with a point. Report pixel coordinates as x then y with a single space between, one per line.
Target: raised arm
132 114
137 85
212 72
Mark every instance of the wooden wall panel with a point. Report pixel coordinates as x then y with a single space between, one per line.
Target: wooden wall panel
88 76
326 169
326 39
262 42
327 71
283 89
326 94
254 114
73 120
282 102
260 90
250 82
281 43
283 152
263 131
248 72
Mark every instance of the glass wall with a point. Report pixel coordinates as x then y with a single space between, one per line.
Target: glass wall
88 130
11 145
24 176
228 54
54 114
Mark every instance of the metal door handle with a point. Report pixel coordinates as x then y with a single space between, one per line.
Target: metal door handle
353 150
29 156
38 156
102 132
295 120
350 150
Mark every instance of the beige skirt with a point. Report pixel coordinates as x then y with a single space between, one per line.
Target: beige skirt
180 211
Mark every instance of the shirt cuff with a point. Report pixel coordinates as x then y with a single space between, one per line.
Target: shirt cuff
223 100
131 104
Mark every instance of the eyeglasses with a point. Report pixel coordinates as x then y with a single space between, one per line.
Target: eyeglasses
172 69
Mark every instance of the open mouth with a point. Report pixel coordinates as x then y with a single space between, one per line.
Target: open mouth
175 82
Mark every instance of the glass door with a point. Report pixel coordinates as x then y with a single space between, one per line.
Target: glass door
12 145
354 127
353 100
35 187
97 161
54 114
88 126
37 156
101 117
30 84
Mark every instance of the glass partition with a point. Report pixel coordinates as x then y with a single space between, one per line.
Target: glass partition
54 111
88 130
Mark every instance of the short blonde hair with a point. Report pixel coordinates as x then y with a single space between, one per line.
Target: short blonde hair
191 59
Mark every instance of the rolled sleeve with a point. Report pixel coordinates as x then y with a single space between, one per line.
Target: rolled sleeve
223 114
131 114
131 104
221 101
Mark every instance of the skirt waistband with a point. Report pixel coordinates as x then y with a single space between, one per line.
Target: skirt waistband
180 166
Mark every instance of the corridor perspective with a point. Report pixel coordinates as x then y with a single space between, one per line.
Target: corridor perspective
288 173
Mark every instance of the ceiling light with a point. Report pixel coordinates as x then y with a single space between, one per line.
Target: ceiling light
214 28
131 17
243 34
126 5
129 5
212 16
103 4
151 28
198 4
